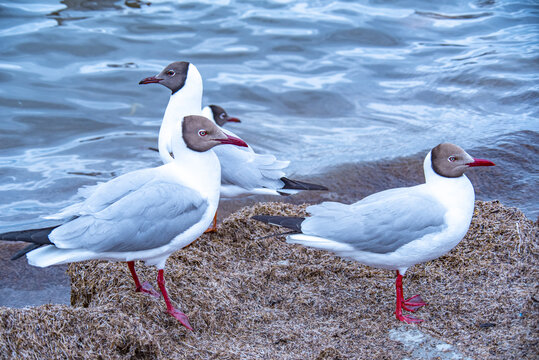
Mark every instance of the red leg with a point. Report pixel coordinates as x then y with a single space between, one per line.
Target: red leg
177 314
145 287
213 227
414 301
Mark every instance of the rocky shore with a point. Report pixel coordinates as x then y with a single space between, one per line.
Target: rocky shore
251 297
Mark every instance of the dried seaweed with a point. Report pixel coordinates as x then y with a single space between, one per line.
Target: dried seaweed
251 297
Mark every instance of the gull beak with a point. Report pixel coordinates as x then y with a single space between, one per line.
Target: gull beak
233 141
481 162
150 80
233 119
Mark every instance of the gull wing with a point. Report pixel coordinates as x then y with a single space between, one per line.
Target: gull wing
380 223
249 170
144 218
100 196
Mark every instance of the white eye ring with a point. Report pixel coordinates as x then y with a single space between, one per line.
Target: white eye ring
202 132
171 73
451 158
222 116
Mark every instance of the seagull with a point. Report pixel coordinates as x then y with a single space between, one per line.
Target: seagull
396 228
144 215
243 172
218 115
185 82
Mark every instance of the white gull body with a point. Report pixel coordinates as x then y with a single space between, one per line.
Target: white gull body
420 223
143 215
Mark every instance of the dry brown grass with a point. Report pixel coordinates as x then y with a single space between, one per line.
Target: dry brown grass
254 298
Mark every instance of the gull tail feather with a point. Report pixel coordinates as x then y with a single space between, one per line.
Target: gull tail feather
51 255
290 222
290 184
24 251
36 238
320 243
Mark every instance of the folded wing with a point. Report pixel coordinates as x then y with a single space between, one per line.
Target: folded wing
147 217
380 223
248 169
102 195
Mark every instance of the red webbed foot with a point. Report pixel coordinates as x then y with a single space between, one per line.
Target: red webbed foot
181 317
413 304
148 289
408 319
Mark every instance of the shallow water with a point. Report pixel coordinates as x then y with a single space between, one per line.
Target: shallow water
320 83
323 84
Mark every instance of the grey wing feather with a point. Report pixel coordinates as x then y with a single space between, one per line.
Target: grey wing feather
380 223
248 169
146 218
100 196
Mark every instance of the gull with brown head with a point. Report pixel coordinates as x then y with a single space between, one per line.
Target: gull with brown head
144 215
396 228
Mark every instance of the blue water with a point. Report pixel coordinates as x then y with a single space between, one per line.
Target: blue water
320 83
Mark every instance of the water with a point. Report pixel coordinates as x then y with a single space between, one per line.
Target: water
327 85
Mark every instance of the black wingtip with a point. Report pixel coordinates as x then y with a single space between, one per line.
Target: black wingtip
24 251
289 222
34 236
300 185
263 218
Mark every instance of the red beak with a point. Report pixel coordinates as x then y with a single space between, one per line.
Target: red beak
233 119
233 141
150 80
481 162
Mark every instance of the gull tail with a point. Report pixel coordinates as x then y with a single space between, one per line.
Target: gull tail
297 237
51 255
36 238
289 222
294 185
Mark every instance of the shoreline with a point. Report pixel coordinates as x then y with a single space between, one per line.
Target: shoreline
510 181
250 297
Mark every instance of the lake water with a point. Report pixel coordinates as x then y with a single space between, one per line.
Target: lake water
329 85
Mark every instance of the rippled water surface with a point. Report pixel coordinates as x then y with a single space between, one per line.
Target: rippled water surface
321 83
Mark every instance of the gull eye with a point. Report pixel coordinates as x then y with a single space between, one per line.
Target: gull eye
452 158
202 132
171 73
222 115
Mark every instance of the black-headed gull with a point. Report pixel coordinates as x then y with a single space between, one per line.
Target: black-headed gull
243 172
397 228
177 76
142 215
218 115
